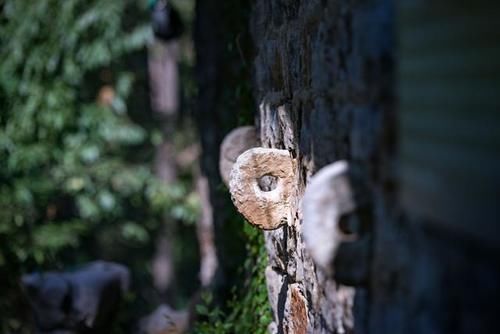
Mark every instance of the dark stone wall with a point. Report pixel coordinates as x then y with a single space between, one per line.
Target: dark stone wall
324 84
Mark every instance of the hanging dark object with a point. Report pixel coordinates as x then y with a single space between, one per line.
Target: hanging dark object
166 22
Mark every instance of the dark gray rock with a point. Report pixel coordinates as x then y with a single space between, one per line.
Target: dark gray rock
83 301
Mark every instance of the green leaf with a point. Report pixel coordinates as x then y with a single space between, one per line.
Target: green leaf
135 232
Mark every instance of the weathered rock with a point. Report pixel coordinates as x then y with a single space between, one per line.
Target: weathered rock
296 309
274 282
234 144
80 301
327 198
262 206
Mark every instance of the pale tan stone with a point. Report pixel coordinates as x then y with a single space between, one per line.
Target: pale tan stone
266 210
236 142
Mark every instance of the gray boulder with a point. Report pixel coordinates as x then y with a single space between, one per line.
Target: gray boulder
82 301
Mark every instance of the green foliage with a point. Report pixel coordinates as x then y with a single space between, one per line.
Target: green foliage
248 311
68 173
58 148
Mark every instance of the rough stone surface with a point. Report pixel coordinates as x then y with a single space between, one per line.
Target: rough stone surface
296 307
236 142
263 208
274 281
323 81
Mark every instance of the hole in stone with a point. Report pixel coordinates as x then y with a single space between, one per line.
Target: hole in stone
349 224
267 182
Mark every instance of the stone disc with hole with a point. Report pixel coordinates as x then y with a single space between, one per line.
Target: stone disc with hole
267 208
327 197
